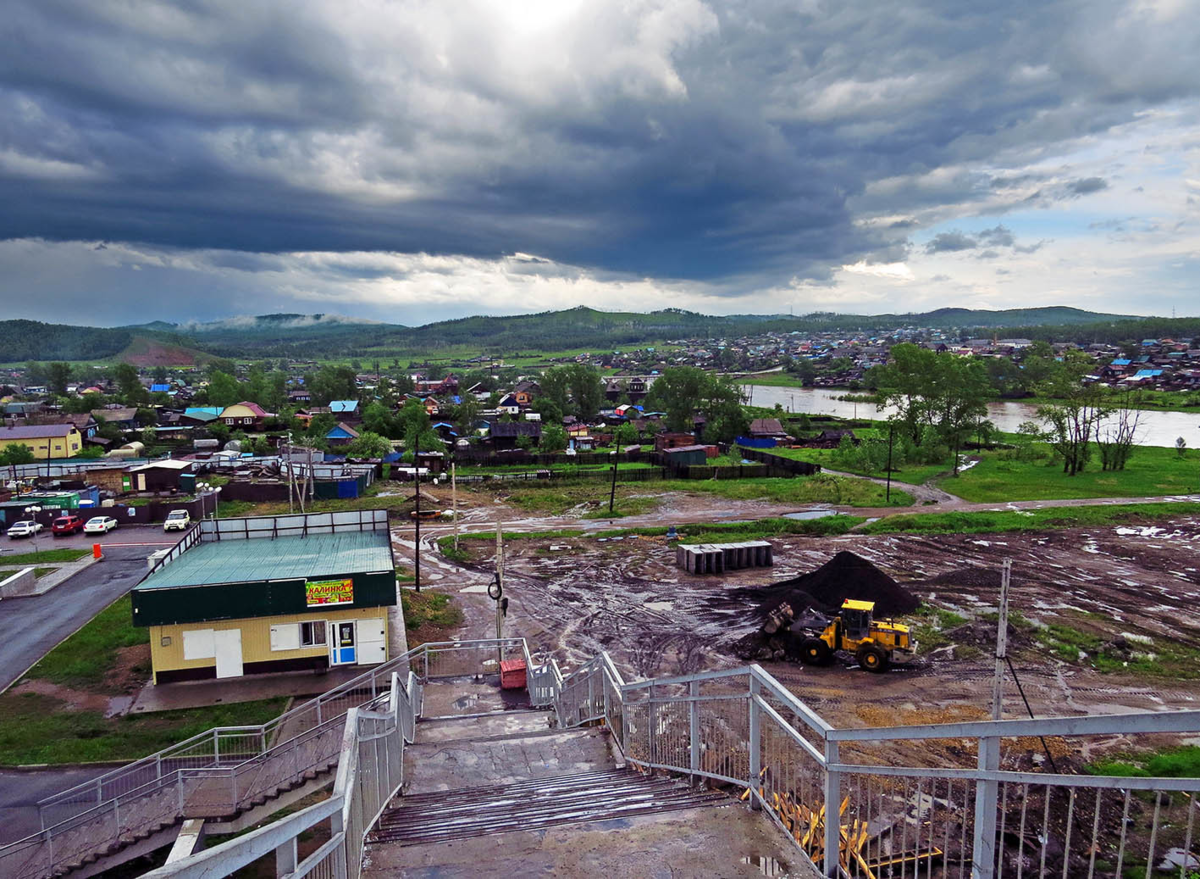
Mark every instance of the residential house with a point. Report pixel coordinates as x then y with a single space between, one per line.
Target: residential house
124 417
505 434
341 434
299 397
45 440
525 392
346 410
768 428
200 416
244 415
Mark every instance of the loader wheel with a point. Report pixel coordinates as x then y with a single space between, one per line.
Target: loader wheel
816 652
872 658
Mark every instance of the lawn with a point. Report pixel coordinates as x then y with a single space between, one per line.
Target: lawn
36 727
912 474
43 729
1028 520
46 555
1150 472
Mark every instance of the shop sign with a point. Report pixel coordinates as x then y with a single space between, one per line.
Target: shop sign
321 592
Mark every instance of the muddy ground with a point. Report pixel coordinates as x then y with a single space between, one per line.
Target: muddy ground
1129 595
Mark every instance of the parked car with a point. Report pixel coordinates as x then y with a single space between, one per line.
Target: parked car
177 520
99 525
68 524
24 528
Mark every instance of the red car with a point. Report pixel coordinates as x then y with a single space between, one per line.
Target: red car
67 525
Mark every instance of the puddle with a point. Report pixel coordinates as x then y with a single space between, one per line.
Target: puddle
810 514
658 605
766 865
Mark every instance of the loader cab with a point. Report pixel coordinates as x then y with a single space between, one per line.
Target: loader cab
856 618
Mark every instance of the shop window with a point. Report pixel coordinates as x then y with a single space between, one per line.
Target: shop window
312 634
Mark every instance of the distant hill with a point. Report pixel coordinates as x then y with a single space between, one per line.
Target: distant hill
315 336
33 340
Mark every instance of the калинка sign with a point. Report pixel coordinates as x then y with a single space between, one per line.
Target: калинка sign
318 592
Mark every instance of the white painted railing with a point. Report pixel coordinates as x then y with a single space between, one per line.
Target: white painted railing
228 770
942 818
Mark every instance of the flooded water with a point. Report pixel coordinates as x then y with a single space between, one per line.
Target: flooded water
1154 428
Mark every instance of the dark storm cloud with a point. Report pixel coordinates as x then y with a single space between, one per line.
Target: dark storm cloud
672 140
1087 185
949 242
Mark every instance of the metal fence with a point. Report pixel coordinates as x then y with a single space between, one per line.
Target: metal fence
370 772
229 770
961 807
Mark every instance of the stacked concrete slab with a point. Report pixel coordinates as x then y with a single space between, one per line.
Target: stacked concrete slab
716 558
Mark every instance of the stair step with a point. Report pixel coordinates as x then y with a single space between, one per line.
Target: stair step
534 804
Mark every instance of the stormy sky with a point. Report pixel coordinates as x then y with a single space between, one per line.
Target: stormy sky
413 161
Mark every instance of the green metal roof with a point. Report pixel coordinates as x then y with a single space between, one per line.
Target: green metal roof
281 558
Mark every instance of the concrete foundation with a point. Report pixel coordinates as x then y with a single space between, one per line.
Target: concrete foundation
716 558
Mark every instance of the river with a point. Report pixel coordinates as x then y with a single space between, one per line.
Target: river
1154 429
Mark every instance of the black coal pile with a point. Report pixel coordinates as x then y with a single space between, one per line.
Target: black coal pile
846 575
822 591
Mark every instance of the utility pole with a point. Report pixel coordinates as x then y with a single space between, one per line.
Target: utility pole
417 543
891 438
1001 642
499 581
454 499
291 474
612 495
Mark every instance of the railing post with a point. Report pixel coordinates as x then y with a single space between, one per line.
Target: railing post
694 728
755 744
286 858
983 848
650 725
216 748
158 767
318 712
833 810
591 694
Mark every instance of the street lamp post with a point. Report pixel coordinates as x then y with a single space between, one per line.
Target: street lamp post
203 488
33 511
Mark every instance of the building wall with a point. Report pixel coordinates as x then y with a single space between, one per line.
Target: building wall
59 446
256 641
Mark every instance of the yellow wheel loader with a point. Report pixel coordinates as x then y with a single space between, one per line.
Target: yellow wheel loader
876 644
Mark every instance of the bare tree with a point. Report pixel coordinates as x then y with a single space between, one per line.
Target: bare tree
1074 415
1118 434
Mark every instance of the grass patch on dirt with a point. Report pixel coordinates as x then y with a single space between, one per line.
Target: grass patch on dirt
1150 472
46 555
799 490
629 506
43 729
994 521
429 616
83 660
1180 762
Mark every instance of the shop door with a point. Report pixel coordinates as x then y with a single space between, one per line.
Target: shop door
343 643
227 645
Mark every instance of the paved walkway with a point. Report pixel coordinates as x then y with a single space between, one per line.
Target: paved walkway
195 694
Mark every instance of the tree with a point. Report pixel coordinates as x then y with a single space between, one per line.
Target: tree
626 434
575 388
369 445
1074 414
223 390
129 384
58 376
160 373
468 411
332 383
803 369
685 391
221 364
554 438
378 419
416 429
15 454
1117 435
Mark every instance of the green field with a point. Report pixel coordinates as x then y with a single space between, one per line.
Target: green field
912 474
38 727
46 555
1028 520
1150 472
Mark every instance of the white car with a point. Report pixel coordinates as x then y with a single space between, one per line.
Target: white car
177 520
24 528
99 525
